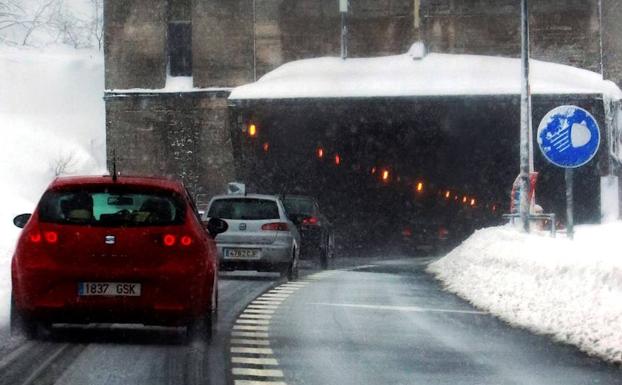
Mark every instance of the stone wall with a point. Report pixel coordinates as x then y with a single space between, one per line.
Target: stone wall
562 31
135 43
184 135
222 42
612 40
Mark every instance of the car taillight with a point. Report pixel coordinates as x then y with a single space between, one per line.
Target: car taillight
35 237
311 221
276 226
443 233
185 240
169 240
50 236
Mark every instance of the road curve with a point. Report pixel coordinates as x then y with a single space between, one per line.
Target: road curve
391 323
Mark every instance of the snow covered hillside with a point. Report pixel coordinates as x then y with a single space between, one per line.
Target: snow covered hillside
571 290
52 118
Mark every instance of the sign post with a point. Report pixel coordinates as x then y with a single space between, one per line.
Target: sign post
343 11
569 137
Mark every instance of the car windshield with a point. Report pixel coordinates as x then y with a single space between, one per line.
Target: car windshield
247 209
110 207
299 206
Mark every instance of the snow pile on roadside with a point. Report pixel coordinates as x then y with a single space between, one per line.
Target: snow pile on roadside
52 119
571 290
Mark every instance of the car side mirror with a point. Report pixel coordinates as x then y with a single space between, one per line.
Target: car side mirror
21 220
216 226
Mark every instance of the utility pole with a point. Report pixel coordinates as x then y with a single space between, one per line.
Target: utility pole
525 127
343 11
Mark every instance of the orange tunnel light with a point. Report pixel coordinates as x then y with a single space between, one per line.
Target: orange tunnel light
447 194
385 175
419 187
320 152
252 130
337 159
266 147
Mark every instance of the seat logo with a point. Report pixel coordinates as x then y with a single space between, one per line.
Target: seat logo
242 226
110 239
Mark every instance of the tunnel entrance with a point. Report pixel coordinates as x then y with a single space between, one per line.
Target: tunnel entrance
379 166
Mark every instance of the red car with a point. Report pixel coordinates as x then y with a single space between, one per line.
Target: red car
122 250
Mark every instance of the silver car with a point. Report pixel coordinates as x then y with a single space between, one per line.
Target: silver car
260 235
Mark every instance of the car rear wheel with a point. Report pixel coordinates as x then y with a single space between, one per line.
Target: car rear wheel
23 325
324 258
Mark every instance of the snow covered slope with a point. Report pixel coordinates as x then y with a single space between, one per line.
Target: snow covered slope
571 290
51 113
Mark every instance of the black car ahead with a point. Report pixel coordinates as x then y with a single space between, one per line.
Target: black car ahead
316 231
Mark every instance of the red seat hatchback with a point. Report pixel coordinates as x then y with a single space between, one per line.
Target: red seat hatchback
123 250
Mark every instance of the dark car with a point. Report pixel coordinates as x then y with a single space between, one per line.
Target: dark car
114 250
316 230
428 230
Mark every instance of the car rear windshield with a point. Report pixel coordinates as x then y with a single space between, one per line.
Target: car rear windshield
112 206
299 206
244 209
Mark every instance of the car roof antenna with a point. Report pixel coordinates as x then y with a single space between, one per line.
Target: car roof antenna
114 165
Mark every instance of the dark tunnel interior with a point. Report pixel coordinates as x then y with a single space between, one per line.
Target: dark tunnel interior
376 166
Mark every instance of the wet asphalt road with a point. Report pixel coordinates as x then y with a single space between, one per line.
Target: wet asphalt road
379 323
131 355
391 323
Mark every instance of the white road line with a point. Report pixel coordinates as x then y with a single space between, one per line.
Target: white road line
245 350
294 285
270 295
251 327
254 306
254 361
282 291
252 321
249 334
243 341
257 372
398 308
258 311
267 302
256 316
251 382
14 354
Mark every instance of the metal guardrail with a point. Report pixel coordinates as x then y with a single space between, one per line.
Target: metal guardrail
550 217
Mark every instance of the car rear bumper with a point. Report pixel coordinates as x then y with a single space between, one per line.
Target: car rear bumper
166 298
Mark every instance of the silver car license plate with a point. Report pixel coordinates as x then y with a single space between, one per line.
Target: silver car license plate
241 253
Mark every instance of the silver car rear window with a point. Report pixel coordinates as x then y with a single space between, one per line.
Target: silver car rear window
244 209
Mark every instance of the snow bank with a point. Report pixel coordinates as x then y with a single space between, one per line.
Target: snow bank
51 112
571 290
411 75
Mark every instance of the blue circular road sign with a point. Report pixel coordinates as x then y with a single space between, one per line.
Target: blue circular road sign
568 136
